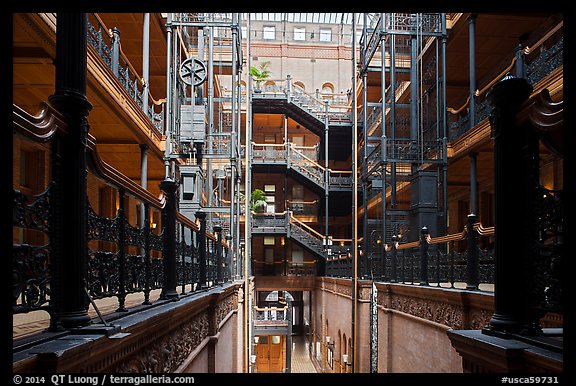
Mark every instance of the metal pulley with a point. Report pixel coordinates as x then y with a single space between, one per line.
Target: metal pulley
193 71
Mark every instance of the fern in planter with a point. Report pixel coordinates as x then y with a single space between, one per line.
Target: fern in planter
260 74
257 201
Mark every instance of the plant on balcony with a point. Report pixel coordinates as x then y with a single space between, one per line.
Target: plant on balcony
260 74
257 201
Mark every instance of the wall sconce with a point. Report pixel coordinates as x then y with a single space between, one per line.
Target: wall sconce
252 358
256 339
345 360
328 343
153 225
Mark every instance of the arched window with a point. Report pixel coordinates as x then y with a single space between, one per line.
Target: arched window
270 86
327 91
299 85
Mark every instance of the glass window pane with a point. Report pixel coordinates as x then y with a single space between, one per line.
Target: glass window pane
299 33
269 32
325 35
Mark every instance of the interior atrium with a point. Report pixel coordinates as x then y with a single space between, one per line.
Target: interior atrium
288 193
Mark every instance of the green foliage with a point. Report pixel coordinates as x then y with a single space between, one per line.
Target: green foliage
257 201
260 73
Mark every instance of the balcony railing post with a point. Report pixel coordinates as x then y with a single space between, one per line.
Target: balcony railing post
69 206
393 262
115 51
201 215
121 253
147 260
424 256
472 254
219 268
169 240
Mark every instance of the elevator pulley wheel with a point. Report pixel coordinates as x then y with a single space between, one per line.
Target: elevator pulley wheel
193 71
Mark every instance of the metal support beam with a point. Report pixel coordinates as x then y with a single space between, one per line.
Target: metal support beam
69 204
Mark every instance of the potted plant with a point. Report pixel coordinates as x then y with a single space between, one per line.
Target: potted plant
257 201
260 74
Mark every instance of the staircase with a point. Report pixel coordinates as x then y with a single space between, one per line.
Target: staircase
286 223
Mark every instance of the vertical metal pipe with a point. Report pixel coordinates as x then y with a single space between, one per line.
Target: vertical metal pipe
472 113
444 129
367 269
238 87
413 90
209 176
355 367
145 61
168 120
232 252
326 178
383 154
472 55
247 195
393 119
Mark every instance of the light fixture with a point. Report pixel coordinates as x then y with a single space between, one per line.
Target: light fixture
256 339
345 358
328 339
253 358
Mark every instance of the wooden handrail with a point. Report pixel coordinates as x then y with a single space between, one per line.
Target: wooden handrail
269 144
306 226
139 78
270 308
527 50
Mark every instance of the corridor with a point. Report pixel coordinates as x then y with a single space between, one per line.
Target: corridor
301 362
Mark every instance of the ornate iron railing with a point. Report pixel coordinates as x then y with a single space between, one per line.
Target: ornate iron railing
465 257
537 62
122 258
123 69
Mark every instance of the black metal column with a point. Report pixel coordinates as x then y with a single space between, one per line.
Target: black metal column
218 231
472 267
169 187
201 215
424 233
509 206
69 206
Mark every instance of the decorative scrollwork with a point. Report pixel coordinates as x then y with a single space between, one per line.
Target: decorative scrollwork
33 215
30 277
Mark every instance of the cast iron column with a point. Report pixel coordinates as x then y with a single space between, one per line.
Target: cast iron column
472 254
218 231
169 187
201 215
69 206
424 256
509 183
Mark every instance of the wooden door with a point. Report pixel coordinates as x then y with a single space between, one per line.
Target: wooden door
271 354
276 348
